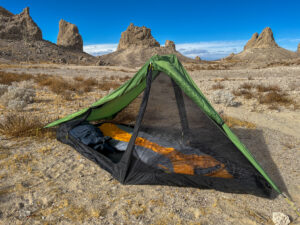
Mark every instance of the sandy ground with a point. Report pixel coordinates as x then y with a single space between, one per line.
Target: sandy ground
45 182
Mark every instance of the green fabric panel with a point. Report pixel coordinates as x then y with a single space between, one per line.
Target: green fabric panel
235 140
67 118
117 104
129 85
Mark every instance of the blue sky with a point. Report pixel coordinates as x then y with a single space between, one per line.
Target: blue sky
211 29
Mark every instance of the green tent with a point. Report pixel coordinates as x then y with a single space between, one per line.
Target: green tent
171 101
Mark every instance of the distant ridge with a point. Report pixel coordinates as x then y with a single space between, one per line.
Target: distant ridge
21 41
262 49
136 46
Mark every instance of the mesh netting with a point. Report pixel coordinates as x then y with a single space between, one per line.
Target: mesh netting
173 120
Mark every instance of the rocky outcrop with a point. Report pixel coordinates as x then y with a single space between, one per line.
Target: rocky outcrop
298 49
136 36
252 41
264 40
68 36
19 26
197 59
262 50
170 44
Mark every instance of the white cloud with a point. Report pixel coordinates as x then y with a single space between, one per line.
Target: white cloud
100 49
209 50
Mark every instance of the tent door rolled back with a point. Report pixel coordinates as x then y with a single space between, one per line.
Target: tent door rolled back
159 129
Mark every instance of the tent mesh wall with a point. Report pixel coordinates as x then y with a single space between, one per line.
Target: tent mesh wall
189 147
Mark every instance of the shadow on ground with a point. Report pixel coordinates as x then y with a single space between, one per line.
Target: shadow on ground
256 143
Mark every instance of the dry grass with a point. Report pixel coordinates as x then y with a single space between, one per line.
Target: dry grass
274 97
263 88
124 79
217 86
57 84
90 82
24 125
207 66
65 87
247 86
235 122
8 78
79 78
247 94
107 85
271 95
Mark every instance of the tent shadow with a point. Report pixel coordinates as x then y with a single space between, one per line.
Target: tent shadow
254 140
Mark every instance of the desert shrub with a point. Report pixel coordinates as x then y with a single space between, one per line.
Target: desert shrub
247 86
79 78
224 97
108 85
275 97
18 95
244 93
91 81
263 88
58 85
217 86
235 122
8 78
24 125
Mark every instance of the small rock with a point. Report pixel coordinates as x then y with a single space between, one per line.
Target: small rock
280 218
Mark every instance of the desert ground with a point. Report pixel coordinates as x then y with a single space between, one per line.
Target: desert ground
46 182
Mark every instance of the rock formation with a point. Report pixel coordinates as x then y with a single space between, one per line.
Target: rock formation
298 49
170 45
136 46
252 41
197 59
137 37
262 50
264 40
19 26
68 36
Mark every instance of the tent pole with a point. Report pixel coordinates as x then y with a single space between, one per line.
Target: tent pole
181 111
138 122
